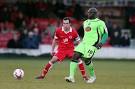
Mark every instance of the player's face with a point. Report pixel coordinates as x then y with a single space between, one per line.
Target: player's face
92 13
89 14
66 24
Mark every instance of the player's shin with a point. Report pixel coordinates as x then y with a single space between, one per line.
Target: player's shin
82 69
47 67
73 66
92 78
90 69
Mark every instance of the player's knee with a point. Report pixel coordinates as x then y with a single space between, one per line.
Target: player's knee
76 57
54 59
87 61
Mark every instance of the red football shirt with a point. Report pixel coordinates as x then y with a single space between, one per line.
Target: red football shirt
66 39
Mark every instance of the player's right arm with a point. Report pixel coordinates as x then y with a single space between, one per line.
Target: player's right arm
54 43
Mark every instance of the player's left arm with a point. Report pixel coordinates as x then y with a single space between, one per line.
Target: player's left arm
104 35
77 38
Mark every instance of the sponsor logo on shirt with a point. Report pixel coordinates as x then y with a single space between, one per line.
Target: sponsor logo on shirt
70 37
87 29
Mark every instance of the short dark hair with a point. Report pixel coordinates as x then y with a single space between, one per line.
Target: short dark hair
67 18
93 10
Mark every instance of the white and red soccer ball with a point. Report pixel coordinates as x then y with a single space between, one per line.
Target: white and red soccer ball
18 74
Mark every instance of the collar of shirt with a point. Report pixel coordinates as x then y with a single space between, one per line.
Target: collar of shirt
67 31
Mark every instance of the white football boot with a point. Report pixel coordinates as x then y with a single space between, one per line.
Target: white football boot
91 80
70 79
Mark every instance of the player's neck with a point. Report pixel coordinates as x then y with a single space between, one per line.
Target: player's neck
66 30
92 17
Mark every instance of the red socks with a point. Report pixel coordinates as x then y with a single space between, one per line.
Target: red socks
46 68
82 68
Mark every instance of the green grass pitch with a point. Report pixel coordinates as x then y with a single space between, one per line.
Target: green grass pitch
112 74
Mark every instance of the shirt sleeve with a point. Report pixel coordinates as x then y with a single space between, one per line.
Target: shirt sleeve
104 33
104 38
103 28
77 38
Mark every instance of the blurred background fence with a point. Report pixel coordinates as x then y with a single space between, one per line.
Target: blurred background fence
27 26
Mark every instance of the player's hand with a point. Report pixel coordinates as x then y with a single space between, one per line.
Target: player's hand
99 45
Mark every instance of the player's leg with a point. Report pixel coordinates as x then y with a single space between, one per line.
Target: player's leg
73 65
47 67
59 56
80 50
82 69
90 68
88 61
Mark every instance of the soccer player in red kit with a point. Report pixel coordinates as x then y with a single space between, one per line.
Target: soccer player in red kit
64 38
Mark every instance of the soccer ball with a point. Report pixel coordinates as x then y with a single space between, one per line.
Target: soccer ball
18 74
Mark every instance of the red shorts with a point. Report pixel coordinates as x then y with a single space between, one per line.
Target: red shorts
62 54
